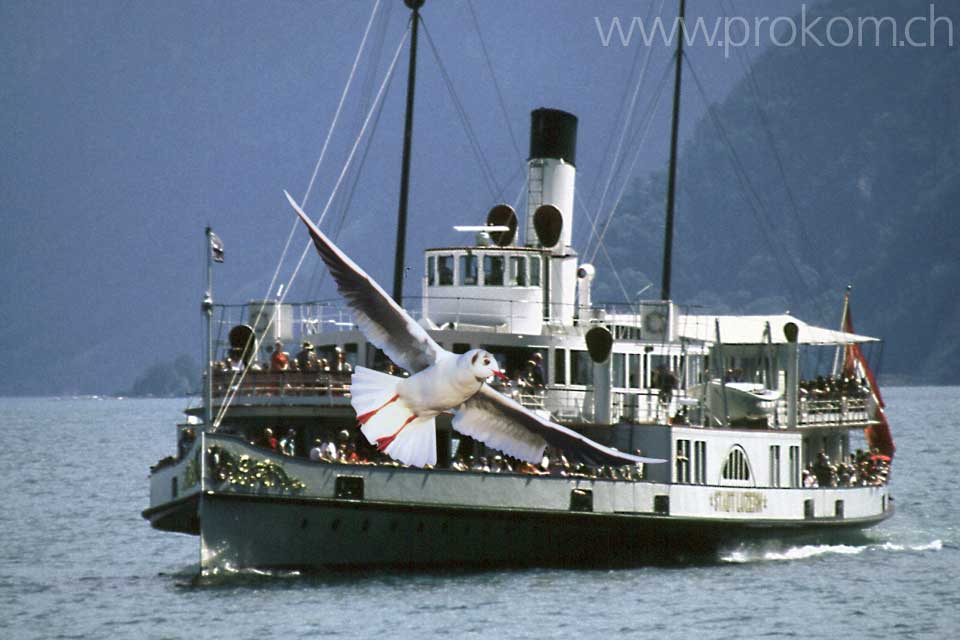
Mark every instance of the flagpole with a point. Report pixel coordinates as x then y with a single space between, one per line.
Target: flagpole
207 308
843 327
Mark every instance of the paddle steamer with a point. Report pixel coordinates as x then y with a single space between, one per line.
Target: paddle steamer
755 446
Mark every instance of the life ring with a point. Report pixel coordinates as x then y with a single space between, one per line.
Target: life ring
654 323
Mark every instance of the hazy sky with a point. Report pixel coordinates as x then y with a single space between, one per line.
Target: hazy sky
127 126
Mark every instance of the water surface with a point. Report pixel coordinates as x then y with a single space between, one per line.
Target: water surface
78 561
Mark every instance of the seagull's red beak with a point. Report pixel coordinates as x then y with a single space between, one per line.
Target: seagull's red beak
501 375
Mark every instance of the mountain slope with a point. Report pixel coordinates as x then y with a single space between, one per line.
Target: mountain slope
869 139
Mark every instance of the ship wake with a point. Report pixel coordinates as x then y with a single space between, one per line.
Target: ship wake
755 554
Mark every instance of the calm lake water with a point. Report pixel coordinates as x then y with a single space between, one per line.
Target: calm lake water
78 561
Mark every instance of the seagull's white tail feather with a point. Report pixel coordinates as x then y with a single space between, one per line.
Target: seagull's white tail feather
388 422
416 444
370 390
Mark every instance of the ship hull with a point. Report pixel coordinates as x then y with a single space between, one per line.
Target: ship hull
270 533
254 509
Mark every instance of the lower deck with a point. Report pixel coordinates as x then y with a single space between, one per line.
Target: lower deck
256 508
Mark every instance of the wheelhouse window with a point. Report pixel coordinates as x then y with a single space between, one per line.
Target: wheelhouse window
534 271
619 370
581 368
683 461
445 270
700 462
795 467
432 271
736 467
634 376
775 465
468 270
560 366
493 271
518 271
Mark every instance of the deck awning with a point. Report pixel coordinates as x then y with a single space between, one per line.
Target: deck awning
753 330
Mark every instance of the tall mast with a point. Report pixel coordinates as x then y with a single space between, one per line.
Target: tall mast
207 308
672 179
414 6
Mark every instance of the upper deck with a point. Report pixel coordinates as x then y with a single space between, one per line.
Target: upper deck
649 339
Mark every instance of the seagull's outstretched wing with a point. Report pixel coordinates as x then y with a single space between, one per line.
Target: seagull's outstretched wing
382 320
504 424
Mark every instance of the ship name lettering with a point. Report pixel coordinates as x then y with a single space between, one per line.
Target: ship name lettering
738 501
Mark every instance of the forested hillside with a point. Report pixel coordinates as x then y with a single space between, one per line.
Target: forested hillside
861 189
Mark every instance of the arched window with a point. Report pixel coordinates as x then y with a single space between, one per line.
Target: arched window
737 465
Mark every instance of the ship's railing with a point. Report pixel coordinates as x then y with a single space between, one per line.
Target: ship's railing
323 316
578 405
283 383
835 411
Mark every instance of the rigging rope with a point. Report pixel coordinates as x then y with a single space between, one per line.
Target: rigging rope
313 177
495 189
323 150
353 186
235 387
493 75
645 129
613 267
626 126
820 267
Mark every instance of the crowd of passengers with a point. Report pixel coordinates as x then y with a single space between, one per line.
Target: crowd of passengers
860 469
306 360
834 388
344 449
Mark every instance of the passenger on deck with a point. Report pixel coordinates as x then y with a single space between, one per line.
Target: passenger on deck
307 358
269 440
537 374
459 464
665 381
187 436
288 445
822 470
342 366
529 377
234 361
279 359
316 452
327 450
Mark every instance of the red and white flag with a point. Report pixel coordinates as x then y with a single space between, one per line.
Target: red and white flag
855 366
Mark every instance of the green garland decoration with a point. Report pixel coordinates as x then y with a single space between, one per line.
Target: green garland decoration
250 473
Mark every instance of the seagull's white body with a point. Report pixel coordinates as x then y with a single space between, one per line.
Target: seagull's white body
437 389
398 414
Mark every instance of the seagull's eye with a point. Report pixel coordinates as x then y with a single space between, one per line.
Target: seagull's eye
486 362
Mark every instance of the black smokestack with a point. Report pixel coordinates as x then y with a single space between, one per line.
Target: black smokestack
553 134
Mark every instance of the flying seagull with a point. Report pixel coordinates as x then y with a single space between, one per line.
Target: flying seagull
397 414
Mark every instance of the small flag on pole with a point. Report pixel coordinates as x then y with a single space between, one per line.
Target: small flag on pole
216 247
